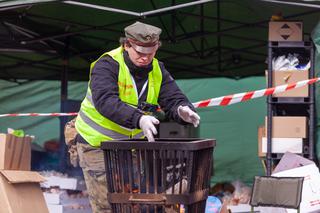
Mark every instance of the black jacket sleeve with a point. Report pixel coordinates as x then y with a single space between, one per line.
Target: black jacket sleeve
171 97
105 94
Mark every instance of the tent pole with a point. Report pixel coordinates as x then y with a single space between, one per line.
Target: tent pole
202 31
218 36
173 23
63 107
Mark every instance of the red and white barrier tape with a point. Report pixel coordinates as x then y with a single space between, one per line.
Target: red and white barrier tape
220 101
241 97
38 114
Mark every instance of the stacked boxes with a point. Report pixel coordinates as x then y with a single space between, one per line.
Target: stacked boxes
291 31
287 135
20 191
288 110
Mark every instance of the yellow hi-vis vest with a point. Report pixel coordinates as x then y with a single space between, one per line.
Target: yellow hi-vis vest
94 127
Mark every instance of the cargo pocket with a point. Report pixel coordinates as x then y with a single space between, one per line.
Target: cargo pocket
90 158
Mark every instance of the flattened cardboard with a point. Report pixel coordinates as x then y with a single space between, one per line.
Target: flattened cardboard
285 31
288 126
15 176
15 152
18 195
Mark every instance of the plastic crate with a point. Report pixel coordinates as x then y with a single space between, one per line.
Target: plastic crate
167 175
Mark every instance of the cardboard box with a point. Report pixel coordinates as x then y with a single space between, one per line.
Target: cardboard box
285 31
20 192
288 127
15 152
282 145
289 77
291 161
279 145
292 165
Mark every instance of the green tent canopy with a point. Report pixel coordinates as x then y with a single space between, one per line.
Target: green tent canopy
200 39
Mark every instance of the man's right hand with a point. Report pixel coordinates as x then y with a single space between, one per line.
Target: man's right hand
147 123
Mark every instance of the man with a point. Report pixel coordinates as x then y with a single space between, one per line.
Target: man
126 85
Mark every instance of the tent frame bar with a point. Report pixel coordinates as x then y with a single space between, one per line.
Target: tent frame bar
293 3
141 14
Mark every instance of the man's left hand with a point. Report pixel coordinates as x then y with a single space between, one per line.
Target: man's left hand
188 115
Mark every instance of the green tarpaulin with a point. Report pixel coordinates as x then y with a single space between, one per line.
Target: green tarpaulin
234 127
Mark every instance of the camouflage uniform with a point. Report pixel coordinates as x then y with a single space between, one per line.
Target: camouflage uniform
92 163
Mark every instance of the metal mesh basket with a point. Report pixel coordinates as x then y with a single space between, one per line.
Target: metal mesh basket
162 176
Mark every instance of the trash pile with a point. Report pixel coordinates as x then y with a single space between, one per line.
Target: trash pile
226 194
290 62
64 194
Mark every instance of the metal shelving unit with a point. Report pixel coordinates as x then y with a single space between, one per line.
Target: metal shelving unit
291 106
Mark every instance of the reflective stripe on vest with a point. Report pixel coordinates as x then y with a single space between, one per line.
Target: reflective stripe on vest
94 127
104 131
89 98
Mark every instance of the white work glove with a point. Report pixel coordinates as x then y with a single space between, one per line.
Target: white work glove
147 123
188 115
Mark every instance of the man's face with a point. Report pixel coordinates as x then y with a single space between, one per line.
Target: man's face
138 58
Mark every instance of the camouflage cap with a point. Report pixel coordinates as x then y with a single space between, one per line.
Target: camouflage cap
143 37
